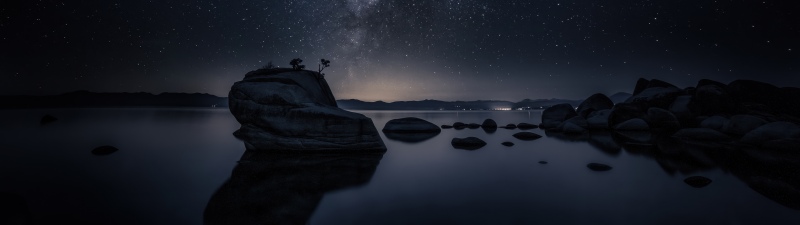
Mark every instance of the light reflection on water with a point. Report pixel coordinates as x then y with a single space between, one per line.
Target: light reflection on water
173 161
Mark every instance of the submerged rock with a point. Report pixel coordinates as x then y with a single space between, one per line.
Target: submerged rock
527 136
473 126
510 126
697 181
459 125
410 125
542 162
469 143
447 126
508 143
104 150
285 109
598 167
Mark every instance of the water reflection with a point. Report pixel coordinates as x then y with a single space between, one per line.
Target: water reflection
410 137
772 174
274 188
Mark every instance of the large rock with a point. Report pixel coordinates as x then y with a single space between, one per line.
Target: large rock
756 92
284 109
680 108
598 119
555 115
633 125
661 97
623 112
641 84
712 99
594 103
702 134
772 131
715 122
741 124
527 136
662 119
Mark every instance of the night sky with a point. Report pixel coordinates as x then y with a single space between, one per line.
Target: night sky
397 49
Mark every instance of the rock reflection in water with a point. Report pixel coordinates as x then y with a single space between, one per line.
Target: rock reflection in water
771 173
270 188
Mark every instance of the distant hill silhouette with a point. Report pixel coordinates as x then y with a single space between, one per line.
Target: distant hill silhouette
85 99
355 104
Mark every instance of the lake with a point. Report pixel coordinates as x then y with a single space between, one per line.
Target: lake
179 166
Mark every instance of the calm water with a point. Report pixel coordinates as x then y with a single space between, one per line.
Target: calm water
179 166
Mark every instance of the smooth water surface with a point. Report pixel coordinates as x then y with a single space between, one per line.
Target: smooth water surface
175 165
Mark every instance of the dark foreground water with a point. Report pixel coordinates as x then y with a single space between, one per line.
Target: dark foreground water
179 166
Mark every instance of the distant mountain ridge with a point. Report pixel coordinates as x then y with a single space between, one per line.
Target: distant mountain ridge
86 99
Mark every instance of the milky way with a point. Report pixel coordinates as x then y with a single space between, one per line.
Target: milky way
396 49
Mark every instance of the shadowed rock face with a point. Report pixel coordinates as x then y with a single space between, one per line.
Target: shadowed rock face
283 109
268 188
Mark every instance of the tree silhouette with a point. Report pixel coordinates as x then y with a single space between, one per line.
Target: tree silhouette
323 63
296 64
269 66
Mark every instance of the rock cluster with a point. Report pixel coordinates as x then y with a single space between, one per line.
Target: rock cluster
743 112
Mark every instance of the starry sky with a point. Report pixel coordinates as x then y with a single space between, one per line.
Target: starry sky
397 49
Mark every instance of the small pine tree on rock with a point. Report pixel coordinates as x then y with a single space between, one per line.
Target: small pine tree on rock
323 63
296 64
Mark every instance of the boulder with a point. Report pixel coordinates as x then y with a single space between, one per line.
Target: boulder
741 124
656 83
410 125
555 115
623 112
697 181
598 167
704 82
526 126
680 108
661 97
633 125
489 123
459 125
702 134
508 143
469 143
662 119
527 136
757 92
571 128
791 145
598 119
473 126
772 131
641 84
715 122
291 110
104 150
710 100
594 103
